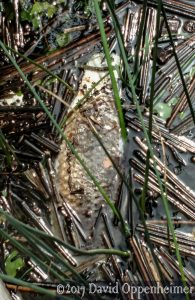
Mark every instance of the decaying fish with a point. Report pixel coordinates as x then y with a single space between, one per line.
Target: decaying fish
74 184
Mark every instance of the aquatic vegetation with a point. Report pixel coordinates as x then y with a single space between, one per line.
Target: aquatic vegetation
163 110
13 263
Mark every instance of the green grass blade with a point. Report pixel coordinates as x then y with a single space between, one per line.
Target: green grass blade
145 186
111 71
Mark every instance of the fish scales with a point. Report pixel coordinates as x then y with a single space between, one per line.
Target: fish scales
74 184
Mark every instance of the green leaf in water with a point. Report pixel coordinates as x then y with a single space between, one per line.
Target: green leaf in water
163 110
89 8
36 23
182 115
2 219
19 93
13 263
37 8
51 11
173 101
43 7
62 39
40 9
4 193
25 15
38 82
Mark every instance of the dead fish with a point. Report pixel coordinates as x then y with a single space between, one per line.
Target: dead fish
74 184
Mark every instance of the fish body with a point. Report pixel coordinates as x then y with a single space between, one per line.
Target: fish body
75 185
